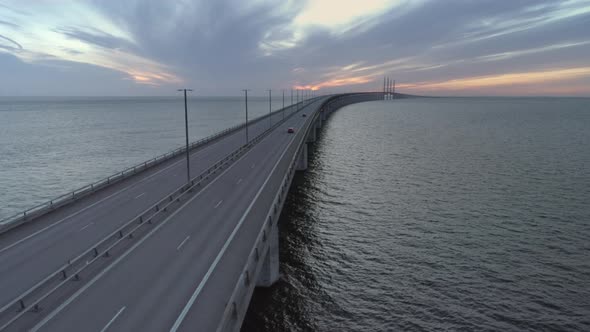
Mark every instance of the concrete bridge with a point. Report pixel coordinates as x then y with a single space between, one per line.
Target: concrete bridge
143 250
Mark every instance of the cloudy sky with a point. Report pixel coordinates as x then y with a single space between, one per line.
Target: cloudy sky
218 47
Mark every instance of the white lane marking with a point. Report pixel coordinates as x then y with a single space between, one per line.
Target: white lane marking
182 243
138 196
100 201
125 254
218 204
137 244
201 285
112 319
240 180
83 228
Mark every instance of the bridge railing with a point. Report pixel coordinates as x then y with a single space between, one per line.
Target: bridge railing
59 201
73 269
237 304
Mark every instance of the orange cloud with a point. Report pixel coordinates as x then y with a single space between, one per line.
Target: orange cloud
336 82
502 80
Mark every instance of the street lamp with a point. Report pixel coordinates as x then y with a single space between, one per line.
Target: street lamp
188 165
246 93
283 104
269 109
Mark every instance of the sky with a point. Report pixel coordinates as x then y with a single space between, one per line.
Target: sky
219 47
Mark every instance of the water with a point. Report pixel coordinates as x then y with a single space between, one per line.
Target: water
439 214
418 214
50 146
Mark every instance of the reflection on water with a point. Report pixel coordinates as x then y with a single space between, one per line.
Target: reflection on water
439 214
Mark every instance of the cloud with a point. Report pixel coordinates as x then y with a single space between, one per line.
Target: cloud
14 43
220 47
83 36
10 25
470 83
96 37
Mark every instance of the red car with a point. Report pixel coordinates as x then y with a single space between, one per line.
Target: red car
291 130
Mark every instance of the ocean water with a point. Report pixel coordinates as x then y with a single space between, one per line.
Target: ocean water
454 214
52 145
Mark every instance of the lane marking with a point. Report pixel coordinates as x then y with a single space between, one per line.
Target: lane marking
112 319
125 254
107 197
201 285
240 180
138 196
137 244
83 228
80 211
182 243
218 203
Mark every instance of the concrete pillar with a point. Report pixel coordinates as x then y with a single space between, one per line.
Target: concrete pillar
302 160
311 136
323 115
319 121
269 274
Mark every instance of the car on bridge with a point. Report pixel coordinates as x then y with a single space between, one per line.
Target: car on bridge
304 115
291 130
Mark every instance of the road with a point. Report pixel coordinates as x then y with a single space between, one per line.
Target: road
147 288
30 252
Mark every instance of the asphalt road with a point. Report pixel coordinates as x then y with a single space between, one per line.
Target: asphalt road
147 288
30 252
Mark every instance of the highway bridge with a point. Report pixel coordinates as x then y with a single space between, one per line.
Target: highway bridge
145 250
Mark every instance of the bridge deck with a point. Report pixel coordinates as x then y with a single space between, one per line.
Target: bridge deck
147 288
180 267
31 251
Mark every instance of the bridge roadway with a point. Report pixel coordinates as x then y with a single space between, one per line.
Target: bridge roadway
147 288
31 251
195 268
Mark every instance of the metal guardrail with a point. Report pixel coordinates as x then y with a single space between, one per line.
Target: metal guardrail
59 201
73 268
232 316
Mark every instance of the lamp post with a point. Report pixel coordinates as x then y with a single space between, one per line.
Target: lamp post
297 100
283 104
246 95
269 109
188 165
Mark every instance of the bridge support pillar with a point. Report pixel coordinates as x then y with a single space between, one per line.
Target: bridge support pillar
302 160
311 137
319 122
269 274
323 115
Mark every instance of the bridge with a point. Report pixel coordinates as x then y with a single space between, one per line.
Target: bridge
147 250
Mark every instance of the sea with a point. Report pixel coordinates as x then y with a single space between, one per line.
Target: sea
417 214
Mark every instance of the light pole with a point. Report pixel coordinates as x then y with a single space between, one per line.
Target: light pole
188 165
291 96
297 100
246 93
269 109
283 104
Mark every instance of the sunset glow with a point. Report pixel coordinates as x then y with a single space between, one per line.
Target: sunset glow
504 80
143 47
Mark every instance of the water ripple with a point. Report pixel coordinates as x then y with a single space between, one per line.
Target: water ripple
439 214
